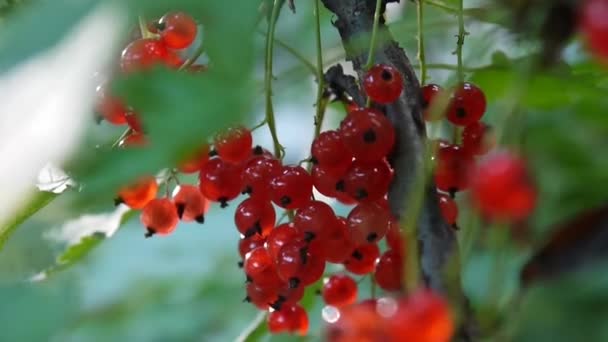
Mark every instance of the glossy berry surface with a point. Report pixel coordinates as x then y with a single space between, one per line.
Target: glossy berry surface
177 30
299 264
256 262
501 187
422 317
326 182
337 245
363 259
289 319
190 203
144 53
138 194
449 208
220 181
339 290
248 244
478 138
234 145
196 160
279 236
111 108
429 93
467 105
383 84
389 271
260 296
254 217
258 174
368 182
368 134
453 168
358 322
159 216
595 26
394 238
314 219
368 223
292 188
329 151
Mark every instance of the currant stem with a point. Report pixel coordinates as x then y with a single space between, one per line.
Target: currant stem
461 34
143 27
321 104
278 148
421 54
192 59
121 137
442 6
372 44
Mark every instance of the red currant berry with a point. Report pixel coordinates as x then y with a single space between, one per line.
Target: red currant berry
363 259
258 174
234 145
429 93
422 317
449 209
368 182
177 30
389 271
288 296
394 238
368 135
289 319
329 151
478 138
190 203
501 187
594 26
339 290
144 53
260 296
358 322
159 216
337 245
327 183
281 235
111 108
220 181
467 105
368 223
134 139
292 189
133 121
138 194
453 168
314 219
256 262
195 161
299 264
383 84
254 217
248 244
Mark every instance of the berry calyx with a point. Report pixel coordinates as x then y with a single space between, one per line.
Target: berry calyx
159 216
368 134
363 259
234 145
177 30
478 138
220 181
138 194
292 188
383 84
190 203
389 270
254 217
467 105
339 290
429 93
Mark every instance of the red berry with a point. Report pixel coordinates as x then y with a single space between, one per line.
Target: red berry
326 182
196 160
134 139
138 194
339 290
478 138
248 244
359 322
254 217
133 121
281 235
394 238
595 27
449 209
337 245
258 174
453 168
368 182
256 262
190 203
422 317
220 181
329 151
389 271
363 259
144 53
288 296
501 188
159 216
111 108
383 84
234 145
314 219
368 223
289 319
299 264
292 189
177 30
260 296
429 93
467 105
368 134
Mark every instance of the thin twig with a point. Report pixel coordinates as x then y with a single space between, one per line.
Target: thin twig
421 55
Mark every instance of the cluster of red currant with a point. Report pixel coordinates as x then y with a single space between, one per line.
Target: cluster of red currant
593 26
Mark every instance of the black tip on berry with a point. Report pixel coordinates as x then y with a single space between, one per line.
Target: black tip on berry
361 194
223 202
460 112
369 136
247 191
255 229
285 201
386 75
357 255
452 192
318 292
248 279
118 201
314 160
181 207
258 150
304 255
293 283
160 26
247 300
240 264
278 303
149 232
455 227
309 236
372 237
212 153
340 186
200 219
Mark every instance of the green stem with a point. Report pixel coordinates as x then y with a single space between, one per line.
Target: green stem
441 5
461 34
197 53
421 55
372 44
320 77
143 27
278 148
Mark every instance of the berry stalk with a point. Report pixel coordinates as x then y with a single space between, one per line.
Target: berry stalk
421 55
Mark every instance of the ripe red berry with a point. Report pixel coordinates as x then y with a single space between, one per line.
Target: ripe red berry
358 322
190 203
196 160
234 145
281 235
111 108
299 263
260 296
389 270
478 138
159 216
467 105
422 317
144 53
133 121
339 290
449 209
177 30
314 219
138 194
292 189
256 262
220 181
259 172
453 168
394 238
501 187
248 244
594 27
368 182
337 245
329 151
289 319
368 223
383 84
429 93
254 217
288 296
368 134
327 183
134 139
363 259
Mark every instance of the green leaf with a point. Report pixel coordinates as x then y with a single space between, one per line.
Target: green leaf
40 200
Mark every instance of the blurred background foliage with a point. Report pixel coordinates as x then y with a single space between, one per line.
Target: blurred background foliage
187 287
